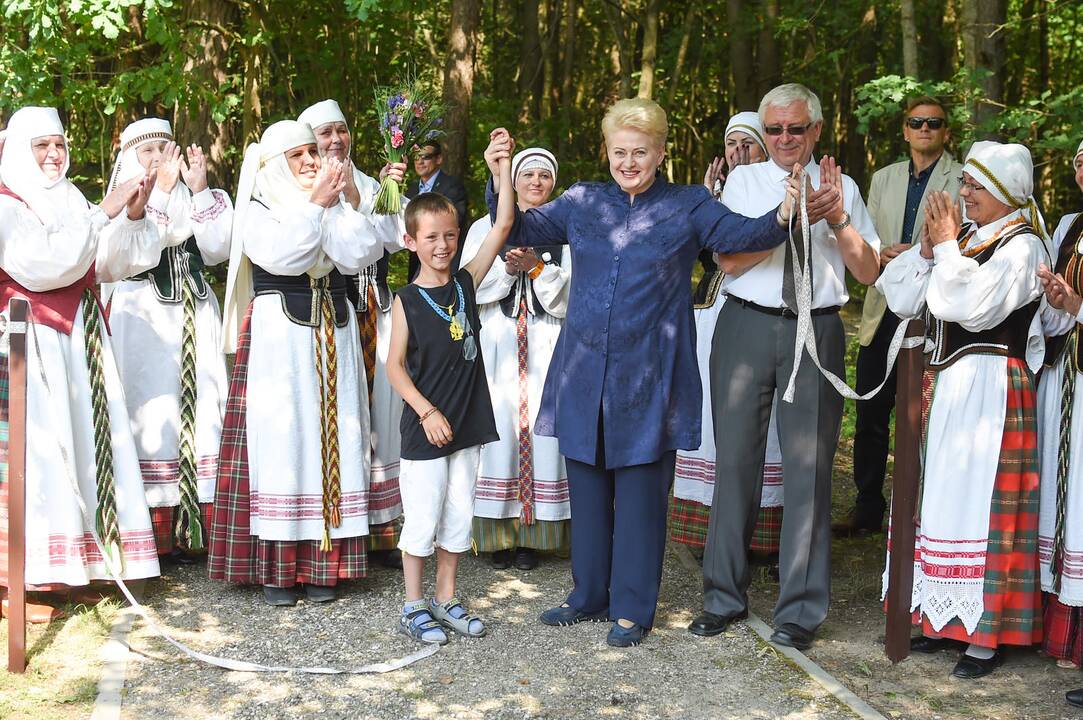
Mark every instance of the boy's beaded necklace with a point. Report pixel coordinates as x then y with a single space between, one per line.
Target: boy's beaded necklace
458 322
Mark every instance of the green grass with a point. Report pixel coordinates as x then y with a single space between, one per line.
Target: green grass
63 665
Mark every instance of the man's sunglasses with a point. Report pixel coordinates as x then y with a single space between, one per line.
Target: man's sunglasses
794 130
934 123
426 156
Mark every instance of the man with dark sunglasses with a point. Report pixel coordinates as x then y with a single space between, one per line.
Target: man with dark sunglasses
896 203
428 164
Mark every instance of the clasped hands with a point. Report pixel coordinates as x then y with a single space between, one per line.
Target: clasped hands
501 147
1058 292
823 203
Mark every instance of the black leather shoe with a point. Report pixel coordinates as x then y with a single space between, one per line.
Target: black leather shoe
179 557
392 559
526 558
502 559
320 593
1074 697
792 635
928 645
971 668
280 597
709 624
857 524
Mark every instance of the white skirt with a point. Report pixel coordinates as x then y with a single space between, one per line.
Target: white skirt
60 445
385 504
283 428
147 342
694 478
497 490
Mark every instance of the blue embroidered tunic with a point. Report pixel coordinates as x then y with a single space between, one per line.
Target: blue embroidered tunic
628 345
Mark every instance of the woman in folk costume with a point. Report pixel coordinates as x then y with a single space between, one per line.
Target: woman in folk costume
693 485
975 557
291 505
521 502
54 248
371 297
167 335
1060 435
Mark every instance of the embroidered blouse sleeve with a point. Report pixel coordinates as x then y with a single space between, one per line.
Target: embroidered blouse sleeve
127 247
42 260
496 284
171 213
212 224
286 245
553 284
349 240
980 297
904 283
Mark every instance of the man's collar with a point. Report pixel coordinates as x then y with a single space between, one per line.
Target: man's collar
927 171
778 173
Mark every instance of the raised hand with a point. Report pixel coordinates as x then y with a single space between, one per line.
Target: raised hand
943 220
195 170
138 201
1058 292
830 172
169 167
118 197
330 181
501 146
714 177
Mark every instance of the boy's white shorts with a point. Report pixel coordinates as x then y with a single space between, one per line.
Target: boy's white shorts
438 502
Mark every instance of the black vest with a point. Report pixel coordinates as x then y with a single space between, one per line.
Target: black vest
1070 267
301 294
952 341
523 284
179 264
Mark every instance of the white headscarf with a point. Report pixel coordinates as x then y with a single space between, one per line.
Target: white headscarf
1078 152
750 124
1007 171
323 112
49 199
531 158
133 137
265 176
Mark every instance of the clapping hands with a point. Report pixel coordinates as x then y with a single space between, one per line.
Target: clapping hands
169 167
132 194
194 171
330 182
824 202
1058 292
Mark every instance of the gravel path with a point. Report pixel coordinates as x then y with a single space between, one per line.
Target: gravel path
521 670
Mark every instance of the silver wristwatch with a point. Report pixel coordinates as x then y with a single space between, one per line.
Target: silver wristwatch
845 222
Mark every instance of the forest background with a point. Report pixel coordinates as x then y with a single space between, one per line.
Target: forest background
222 70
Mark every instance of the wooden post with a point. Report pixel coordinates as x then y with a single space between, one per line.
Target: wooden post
17 486
904 496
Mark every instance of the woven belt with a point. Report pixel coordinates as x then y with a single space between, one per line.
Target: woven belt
780 311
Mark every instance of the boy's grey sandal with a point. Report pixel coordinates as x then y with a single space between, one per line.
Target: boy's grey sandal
419 622
457 621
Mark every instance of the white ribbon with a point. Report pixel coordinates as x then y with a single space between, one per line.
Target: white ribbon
215 660
805 337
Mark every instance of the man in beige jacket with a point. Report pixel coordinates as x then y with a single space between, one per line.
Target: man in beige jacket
897 206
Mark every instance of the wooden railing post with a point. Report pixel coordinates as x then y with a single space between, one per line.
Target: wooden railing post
17 327
904 496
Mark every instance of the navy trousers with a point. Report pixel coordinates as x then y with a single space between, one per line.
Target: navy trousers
619 536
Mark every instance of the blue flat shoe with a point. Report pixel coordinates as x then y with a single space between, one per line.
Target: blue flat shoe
565 615
620 636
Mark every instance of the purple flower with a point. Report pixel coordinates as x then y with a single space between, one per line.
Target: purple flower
431 134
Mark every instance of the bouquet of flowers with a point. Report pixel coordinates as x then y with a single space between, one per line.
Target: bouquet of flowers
409 115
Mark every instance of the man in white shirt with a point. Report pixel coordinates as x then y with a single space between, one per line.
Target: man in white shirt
753 355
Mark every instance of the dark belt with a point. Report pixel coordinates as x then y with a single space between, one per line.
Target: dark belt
780 311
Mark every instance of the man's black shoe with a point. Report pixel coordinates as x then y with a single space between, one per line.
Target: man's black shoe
1074 697
928 645
709 624
794 636
857 524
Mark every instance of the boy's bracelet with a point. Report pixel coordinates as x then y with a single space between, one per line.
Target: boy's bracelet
425 417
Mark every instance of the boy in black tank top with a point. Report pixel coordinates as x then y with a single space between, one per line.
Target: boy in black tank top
435 365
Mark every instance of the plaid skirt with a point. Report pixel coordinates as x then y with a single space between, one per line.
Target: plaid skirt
493 534
234 553
688 522
1062 638
1012 590
162 520
385 536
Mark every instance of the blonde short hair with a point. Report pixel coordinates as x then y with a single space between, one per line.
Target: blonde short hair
640 114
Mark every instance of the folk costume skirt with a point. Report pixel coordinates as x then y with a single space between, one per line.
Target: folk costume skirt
235 553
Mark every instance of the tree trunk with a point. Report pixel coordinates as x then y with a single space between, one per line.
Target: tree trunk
650 49
208 60
979 19
550 54
530 60
853 159
768 68
566 79
682 51
741 61
459 82
619 22
909 37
